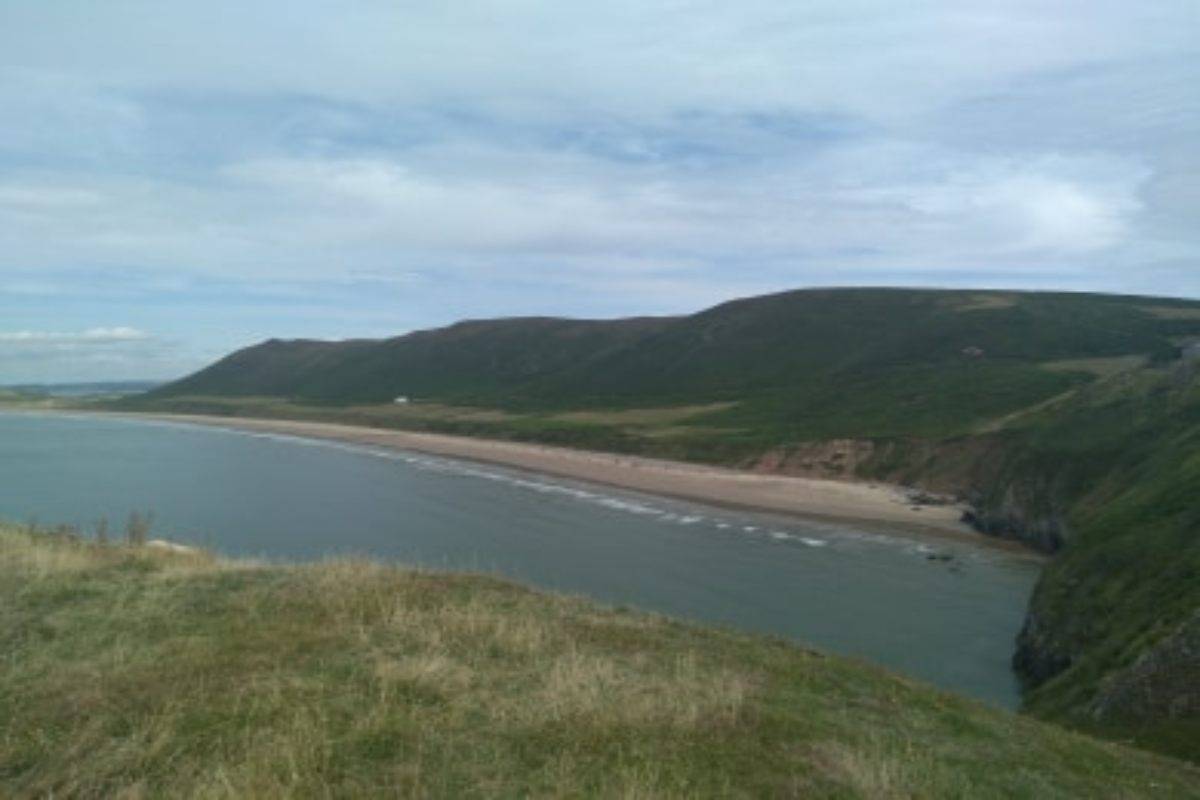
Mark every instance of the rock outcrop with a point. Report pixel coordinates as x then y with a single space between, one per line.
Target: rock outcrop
833 458
1019 512
1039 655
1163 682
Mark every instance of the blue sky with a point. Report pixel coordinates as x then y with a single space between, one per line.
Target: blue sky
181 179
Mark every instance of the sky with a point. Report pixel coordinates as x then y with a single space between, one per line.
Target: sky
180 179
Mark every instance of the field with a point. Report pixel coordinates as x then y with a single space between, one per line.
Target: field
135 671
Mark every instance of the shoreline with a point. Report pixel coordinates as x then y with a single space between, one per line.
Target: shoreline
882 506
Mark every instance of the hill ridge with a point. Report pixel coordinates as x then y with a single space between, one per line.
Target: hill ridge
946 390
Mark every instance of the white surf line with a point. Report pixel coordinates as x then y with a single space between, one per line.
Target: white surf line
553 484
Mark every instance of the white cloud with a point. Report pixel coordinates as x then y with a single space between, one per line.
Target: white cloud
626 57
1057 216
92 336
692 130
324 217
525 156
955 204
45 197
92 354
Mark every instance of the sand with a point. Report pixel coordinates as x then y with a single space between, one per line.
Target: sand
882 506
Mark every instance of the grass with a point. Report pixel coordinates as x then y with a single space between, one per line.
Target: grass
1068 421
912 401
1100 367
130 671
642 417
1173 312
667 431
721 386
801 365
1129 580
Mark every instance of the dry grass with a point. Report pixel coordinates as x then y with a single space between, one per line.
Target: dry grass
1019 415
1172 312
426 411
986 302
1101 367
142 672
876 770
640 417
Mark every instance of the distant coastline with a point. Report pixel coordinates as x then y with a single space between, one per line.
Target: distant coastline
876 504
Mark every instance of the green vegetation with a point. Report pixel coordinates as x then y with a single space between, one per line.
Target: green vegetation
796 366
23 398
668 432
64 395
1069 421
137 671
721 386
1121 460
1102 367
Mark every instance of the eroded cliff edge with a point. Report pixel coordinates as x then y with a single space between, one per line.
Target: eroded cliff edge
1107 482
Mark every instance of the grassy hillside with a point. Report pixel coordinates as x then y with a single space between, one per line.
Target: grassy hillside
131 671
1108 477
793 366
1069 421
1122 462
477 359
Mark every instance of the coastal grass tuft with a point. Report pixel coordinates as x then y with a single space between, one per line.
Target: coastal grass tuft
138 671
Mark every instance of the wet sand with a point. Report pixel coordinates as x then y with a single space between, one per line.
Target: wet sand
880 505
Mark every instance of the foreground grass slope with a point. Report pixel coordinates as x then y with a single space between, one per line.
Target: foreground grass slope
134 671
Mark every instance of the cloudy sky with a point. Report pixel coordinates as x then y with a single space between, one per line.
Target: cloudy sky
178 179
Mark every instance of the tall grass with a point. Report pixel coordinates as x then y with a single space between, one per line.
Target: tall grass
130 671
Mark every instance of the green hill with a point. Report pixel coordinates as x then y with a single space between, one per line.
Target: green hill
1069 421
797 366
480 359
131 671
942 359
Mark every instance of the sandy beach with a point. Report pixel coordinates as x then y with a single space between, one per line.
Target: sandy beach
880 505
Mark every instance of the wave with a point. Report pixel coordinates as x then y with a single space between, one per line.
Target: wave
841 536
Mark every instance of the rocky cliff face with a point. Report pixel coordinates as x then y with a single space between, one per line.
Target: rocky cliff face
1108 481
1041 653
970 469
1020 511
834 458
1163 682
978 470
